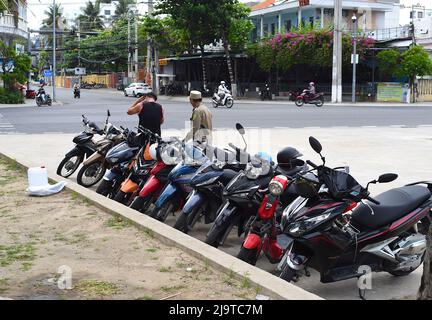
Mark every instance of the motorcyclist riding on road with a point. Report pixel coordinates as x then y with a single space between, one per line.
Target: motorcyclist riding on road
311 91
222 90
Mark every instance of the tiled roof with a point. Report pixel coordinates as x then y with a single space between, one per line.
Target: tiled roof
263 5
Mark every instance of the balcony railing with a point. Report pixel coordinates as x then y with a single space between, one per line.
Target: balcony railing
387 34
7 25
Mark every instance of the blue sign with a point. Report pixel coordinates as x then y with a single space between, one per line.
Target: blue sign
47 73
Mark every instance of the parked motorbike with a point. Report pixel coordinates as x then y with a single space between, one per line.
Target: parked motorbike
178 188
84 148
119 162
316 99
263 229
94 168
43 98
168 153
331 232
208 183
265 94
227 100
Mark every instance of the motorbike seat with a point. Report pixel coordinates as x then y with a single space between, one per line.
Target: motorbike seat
394 204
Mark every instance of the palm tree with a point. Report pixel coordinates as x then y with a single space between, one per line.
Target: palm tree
59 19
90 19
122 8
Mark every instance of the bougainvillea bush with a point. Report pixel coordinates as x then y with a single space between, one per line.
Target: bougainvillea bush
312 47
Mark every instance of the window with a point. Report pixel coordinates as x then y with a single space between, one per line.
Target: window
420 14
344 13
329 12
311 21
107 12
266 28
288 25
411 14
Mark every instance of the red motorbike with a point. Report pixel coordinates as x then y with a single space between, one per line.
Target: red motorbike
306 98
167 158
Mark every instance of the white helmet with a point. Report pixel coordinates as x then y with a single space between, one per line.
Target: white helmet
153 151
311 84
222 82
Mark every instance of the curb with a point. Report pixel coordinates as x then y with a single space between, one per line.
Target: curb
269 284
30 105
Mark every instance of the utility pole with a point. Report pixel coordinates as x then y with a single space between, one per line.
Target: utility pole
136 47
337 54
151 65
79 50
129 44
54 51
354 19
29 52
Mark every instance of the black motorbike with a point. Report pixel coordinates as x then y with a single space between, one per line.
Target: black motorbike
337 228
208 184
84 148
43 98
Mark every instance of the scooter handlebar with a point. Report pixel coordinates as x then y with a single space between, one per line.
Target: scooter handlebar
373 200
313 165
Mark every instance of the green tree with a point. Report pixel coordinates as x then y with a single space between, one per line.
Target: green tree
122 8
17 70
233 27
90 19
411 63
60 20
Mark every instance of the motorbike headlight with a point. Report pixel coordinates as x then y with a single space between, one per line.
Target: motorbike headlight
218 165
275 188
298 228
253 172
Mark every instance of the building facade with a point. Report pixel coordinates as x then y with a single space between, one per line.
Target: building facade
12 27
272 16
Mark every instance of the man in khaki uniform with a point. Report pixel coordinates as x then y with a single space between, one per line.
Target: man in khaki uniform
201 119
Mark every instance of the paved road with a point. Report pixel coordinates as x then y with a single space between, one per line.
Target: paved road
94 103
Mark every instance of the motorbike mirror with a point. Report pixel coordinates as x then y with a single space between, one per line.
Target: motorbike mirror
298 162
315 144
388 177
108 113
240 129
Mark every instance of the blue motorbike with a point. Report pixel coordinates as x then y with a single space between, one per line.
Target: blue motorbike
208 184
177 190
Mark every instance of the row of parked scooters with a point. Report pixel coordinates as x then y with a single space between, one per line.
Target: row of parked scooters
295 213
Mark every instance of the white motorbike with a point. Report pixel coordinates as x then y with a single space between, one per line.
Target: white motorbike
227 100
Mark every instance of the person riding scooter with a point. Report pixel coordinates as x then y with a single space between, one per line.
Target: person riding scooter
311 91
222 90
77 91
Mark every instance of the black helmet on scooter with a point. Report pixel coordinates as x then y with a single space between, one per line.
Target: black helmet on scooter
286 156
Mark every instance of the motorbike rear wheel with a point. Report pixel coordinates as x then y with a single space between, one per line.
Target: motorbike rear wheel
91 174
69 165
320 102
248 255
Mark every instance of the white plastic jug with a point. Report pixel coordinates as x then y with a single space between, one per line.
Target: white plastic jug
37 177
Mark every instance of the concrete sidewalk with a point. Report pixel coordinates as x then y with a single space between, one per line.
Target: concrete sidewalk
30 103
368 151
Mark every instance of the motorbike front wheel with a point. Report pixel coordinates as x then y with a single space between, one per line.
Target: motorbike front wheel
186 222
216 234
288 274
141 204
70 165
122 197
248 255
38 102
91 174
229 103
167 208
104 188
299 102
215 104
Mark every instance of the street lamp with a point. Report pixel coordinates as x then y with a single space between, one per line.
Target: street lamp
354 58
